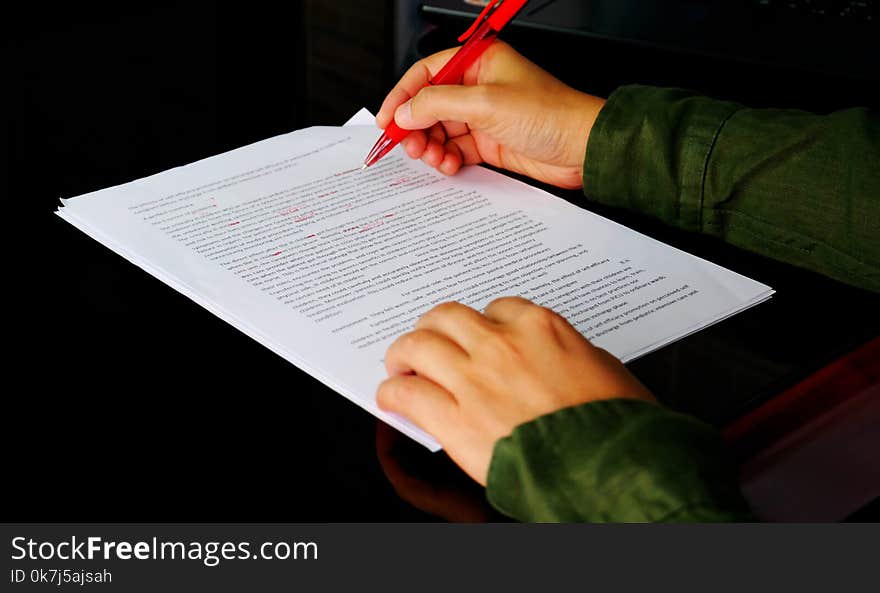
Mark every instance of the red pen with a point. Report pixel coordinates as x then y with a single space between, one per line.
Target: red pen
479 36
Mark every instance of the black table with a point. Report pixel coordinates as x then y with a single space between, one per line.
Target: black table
125 401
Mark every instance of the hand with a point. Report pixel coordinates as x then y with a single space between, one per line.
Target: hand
506 112
469 379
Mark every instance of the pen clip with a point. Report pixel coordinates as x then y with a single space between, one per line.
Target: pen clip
482 17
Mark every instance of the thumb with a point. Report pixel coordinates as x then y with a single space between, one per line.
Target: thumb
448 102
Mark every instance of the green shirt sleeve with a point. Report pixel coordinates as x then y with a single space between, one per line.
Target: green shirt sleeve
620 460
798 187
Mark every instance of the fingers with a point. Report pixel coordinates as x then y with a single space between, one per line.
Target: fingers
530 318
420 400
446 156
426 145
507 309
437 134
434 150
464 326
468 104
415 144
452 159
428 354
415 78
466 147
455 129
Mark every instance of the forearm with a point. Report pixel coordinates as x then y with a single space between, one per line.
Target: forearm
801 188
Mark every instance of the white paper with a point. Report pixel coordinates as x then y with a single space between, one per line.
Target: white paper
326 264
362 118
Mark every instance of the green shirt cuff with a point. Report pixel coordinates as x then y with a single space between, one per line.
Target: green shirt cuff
649 149
620 460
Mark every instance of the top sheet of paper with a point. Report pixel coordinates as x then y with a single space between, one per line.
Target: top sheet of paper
325 264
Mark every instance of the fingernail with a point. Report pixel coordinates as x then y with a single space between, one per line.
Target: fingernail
403 115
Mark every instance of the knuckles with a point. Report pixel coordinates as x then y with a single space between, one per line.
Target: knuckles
540 318
505 300
408 342
438 312
446 308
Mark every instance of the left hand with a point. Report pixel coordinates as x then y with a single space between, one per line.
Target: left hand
469 379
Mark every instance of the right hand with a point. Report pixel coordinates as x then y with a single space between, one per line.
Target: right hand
506 112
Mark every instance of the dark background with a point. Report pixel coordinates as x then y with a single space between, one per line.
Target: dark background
126 401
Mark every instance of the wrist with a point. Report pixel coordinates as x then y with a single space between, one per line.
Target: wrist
586 109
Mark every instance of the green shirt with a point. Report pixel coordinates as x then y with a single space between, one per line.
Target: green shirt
798 187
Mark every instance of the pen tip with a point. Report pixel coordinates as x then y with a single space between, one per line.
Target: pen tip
364 167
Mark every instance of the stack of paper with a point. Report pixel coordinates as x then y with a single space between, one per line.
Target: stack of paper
326 264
